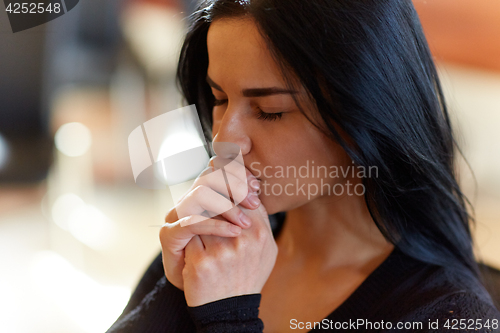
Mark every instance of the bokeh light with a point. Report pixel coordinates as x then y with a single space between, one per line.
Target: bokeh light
73 139
4 152
63 207
74 291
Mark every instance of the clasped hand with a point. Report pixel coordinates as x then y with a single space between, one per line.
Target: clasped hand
230 254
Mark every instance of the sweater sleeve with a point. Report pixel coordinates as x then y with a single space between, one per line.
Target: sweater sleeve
162 310
239 314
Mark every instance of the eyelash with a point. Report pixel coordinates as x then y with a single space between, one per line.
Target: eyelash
261 115
269 116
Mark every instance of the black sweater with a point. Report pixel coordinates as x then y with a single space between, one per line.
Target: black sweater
401 291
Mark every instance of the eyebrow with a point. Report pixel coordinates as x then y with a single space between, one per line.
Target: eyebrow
255 92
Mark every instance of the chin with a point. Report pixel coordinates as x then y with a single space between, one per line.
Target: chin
271 204
276 204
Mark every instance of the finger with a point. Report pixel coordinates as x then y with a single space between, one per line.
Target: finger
253 182
251 186
236 168
215 243
175 236
205 172
251 201
171 216
236 214
217 181
212 175
206 202
201 199
259 218
200 225
194 247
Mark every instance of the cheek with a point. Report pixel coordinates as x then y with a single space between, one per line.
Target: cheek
305 149
295 147
293 176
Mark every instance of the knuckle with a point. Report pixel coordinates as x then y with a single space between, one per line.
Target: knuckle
202 267
186 271
242 243
261 235
224 253
163 233
171 216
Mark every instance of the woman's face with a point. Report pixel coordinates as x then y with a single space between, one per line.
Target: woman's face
255 110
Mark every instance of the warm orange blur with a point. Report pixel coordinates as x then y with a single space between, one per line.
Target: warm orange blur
463 31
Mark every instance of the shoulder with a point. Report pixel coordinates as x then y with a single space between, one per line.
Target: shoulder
458 312
431 293
460 295
464 304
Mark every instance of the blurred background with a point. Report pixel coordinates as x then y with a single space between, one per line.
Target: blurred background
76 233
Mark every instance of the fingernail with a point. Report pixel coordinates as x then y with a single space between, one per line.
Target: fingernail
254 199
245 220
254 184
234 229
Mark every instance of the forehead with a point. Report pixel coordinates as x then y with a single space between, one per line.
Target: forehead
237 51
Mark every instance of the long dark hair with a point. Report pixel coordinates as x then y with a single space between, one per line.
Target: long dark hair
367 65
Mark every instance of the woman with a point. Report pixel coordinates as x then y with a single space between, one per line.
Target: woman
338 113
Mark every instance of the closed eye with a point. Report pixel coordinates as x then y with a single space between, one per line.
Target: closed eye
260 115
269 116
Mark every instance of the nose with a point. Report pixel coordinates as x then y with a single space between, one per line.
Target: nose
231 128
